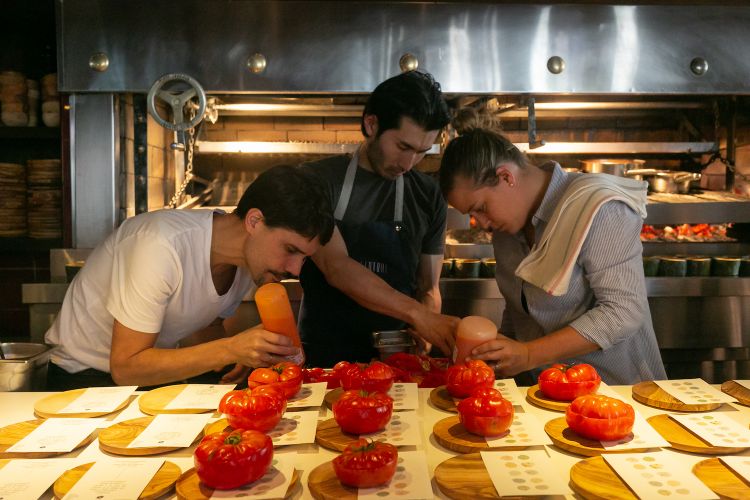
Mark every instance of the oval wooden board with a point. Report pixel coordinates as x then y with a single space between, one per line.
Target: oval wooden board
682 439
116 438
563 437
452 435
162 482
189 487
324 485
651 394
329 435
594 479
737 391
49 406
441 399
155 401
13 433
332 396
465 478
721 479
536 397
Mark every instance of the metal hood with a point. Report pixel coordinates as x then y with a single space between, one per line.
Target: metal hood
312 47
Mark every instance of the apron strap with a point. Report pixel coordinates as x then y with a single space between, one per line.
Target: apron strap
346 192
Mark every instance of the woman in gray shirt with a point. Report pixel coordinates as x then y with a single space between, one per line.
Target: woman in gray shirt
600 315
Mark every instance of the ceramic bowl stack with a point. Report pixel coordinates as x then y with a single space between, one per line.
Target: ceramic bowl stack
50 101
32 95
44 179
14 105
12 200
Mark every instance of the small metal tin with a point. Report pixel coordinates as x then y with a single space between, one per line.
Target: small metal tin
389 342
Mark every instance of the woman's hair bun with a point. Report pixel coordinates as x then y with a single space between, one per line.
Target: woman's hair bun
470 118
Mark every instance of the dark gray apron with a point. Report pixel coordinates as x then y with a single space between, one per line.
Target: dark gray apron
333 326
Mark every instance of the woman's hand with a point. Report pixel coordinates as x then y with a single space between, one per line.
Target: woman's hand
507 356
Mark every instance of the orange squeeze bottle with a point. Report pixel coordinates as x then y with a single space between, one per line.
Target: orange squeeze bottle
276 314
472 331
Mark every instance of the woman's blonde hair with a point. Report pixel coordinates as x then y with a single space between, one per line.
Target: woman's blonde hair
478 150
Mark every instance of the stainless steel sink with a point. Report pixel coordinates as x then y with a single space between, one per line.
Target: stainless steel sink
25 366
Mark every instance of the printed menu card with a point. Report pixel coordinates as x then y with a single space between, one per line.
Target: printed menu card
99 400
57 435
694 391
171 430
115 479
24 479
199 397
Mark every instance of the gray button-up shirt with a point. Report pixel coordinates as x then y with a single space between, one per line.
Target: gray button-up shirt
606 301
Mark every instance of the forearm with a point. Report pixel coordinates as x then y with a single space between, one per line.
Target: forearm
558 345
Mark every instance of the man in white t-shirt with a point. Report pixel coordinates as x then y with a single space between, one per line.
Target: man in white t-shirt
171 274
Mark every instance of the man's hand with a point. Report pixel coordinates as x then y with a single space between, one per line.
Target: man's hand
236 375
257 347
437 329
507 356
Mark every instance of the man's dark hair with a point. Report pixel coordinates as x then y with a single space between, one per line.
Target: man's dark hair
414 94
290 198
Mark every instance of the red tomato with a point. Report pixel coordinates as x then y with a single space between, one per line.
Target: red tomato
273 390
463 378
311 375
364 464
433 378
228 460
375 377
567 382
486 412
253 409
285 375
600 417
408 362
360 412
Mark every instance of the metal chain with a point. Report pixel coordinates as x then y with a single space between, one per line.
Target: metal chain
717 155
189 166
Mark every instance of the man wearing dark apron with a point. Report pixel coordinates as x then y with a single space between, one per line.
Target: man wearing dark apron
381 269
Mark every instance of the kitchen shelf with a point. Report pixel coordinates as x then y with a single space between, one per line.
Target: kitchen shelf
17 246
268 147
709 207
30 133
620 148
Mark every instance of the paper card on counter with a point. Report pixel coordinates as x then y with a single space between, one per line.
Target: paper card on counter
717 429
199 397
402 430
309 395
171 430
524 473
509 390
740 465
411 481
57 435
24 479
405 396
643 436
115 479
274 483
526 430
694 391
99 400
658 475
295 427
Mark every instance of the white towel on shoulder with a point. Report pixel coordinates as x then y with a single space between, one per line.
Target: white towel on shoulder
549 265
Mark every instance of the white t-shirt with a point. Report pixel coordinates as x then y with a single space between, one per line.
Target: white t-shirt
153 275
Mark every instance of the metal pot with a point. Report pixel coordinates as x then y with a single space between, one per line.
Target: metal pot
612 167
665 181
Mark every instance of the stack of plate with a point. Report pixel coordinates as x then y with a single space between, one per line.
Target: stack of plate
45 198
12 200
50 101
14 104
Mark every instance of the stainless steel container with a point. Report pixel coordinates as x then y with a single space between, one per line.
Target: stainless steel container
389 342
665 181
24 367
612 167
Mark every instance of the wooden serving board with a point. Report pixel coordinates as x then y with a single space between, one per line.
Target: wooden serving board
332 396
594 479
464 477
324 485
329 435
721 479
651 394
682 439
155 401
441 399
116 438
161 484
737 391
189 487
50 406
13 433
536 397
451 434
563 437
